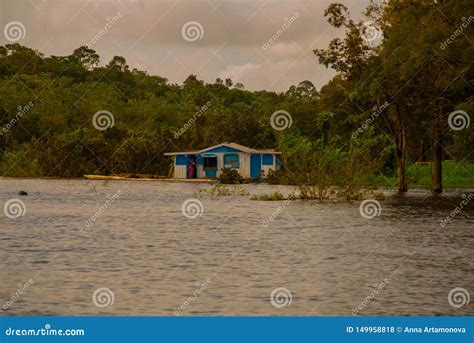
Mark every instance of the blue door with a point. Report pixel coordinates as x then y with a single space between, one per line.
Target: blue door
211 173
210 165
255 166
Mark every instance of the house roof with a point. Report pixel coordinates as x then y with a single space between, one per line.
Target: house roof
230 145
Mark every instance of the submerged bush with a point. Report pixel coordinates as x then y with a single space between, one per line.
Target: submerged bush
269 197
279 177
221 190
230 176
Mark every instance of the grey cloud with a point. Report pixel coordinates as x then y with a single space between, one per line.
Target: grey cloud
148 35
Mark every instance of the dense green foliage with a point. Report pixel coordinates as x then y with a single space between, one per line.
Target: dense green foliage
55 135
387 106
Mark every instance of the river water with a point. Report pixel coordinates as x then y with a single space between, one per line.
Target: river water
130 245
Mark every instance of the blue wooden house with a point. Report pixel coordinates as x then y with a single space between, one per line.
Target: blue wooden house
209 162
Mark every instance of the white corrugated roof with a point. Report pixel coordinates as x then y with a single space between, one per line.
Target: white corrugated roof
230 145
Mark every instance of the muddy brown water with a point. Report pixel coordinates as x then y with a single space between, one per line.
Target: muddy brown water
76 237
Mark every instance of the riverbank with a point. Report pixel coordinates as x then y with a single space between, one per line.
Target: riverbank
456 176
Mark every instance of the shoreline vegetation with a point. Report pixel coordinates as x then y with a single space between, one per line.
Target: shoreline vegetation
457 176
333 194
396 114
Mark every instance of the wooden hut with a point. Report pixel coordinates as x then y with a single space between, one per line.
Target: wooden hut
209 162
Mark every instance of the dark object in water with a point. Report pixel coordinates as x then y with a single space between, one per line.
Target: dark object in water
22 193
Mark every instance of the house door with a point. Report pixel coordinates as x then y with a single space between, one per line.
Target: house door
210 165
255 166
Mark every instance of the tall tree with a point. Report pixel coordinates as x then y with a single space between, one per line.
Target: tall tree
86 57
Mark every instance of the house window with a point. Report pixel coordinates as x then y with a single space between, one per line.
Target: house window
231 161
210 163
267 160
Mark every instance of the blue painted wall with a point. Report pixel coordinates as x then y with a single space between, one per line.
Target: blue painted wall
255 166
256 160
181 160
267 159
222 149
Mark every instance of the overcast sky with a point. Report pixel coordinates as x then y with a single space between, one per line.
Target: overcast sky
234 41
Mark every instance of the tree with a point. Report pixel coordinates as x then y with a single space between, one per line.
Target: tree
347 55
118 63
428 81
305 90
86 57
357 61
228 83
57 136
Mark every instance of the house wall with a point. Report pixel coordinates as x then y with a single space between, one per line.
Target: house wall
244 164
244 159
244 169
200 171
265 167
180 171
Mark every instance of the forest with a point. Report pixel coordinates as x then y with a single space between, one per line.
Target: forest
396 114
